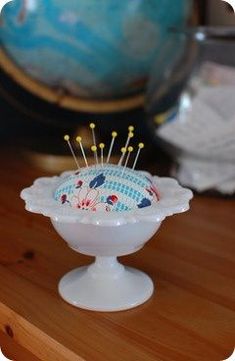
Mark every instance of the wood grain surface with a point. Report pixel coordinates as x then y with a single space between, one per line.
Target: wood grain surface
191 316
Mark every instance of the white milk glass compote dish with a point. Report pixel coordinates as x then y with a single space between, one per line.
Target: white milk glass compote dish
106 211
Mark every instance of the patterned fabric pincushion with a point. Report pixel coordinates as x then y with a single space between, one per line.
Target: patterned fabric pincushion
107 188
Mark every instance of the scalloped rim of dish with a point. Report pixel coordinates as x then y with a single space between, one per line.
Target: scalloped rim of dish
39 198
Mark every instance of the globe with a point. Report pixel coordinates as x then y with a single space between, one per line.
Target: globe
91 49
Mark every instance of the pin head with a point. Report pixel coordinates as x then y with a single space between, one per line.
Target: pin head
114 134
130 149
102 145
123 150
94 148
66 137
131 128
79 139
131 135
141 145
92 125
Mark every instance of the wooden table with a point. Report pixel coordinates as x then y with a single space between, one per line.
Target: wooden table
190 317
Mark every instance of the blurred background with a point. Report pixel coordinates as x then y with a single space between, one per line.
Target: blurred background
167 68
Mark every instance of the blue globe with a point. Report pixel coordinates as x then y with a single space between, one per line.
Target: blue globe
91 48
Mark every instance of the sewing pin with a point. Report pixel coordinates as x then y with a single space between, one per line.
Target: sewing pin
114 136
92 127
67 139
130 135
79 141
141 146
123 151
102 146
130 150
94 150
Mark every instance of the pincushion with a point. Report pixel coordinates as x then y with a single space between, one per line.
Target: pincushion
106 285
106 210
107 188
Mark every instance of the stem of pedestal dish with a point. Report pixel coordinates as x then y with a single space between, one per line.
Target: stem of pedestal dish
106 267
106 262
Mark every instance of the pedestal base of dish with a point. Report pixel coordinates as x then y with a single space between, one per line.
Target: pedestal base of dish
106 286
